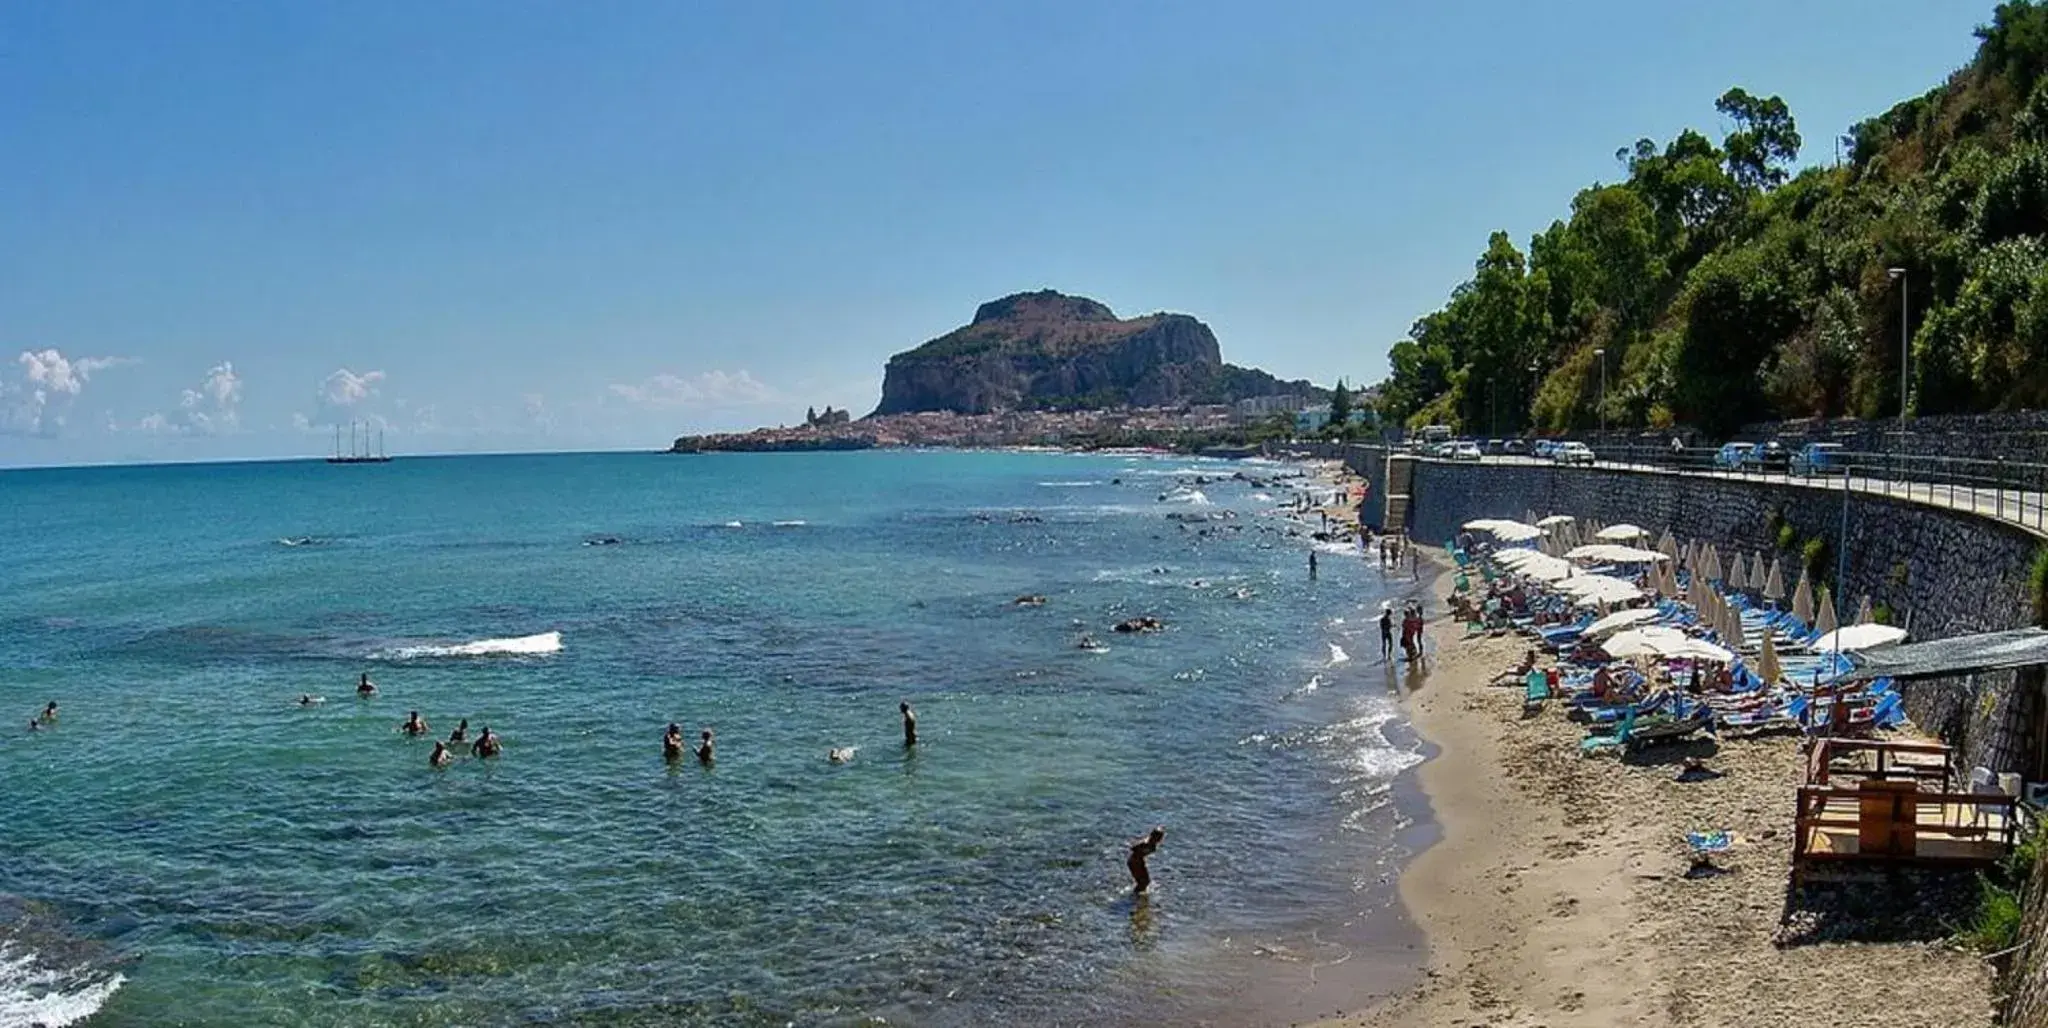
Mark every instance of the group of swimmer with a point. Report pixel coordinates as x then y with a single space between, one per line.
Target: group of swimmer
47 717
487 744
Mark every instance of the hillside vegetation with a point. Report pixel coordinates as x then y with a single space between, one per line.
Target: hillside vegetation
1724 289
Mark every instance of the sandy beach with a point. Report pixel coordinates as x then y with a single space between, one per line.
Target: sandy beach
1560 894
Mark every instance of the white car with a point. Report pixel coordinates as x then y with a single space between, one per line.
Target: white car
1465 450
1572 453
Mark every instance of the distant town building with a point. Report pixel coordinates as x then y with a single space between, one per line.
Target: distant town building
1316 418
1254 408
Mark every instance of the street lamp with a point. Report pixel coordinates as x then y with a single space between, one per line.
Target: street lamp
1530 429
1601 352
1905 339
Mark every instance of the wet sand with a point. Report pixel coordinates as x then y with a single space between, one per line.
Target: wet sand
1559 894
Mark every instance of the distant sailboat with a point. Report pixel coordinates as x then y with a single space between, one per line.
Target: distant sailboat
359 455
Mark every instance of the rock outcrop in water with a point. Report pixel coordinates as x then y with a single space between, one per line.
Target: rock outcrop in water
1050 351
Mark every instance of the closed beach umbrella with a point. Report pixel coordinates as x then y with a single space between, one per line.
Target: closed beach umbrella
1669 547
1802 600
1734 640
1774 582
1824 620
1738 574
1716 570
1767 666
1863 614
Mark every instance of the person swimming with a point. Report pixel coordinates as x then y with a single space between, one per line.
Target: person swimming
365 687
909 723
461 732
841 755
307 699
486 744
50 713
1141 876
440 757
704 753
34 725
413 725
672 743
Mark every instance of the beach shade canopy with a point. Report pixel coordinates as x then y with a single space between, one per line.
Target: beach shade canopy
1863 614
1589 590
1734 638
1669 547
1824 619
1622 533
1660 641
1504 530
1612 554
1774 581
1768 667
1554 521
1738 574
1802 599
1619 620
1713 565
1859 637
1539 566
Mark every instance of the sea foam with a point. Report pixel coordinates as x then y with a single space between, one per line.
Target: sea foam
31 994
518 646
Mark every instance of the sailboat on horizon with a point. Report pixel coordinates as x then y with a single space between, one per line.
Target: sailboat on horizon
363 454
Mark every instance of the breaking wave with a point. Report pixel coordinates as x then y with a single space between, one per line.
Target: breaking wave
33 994
517 646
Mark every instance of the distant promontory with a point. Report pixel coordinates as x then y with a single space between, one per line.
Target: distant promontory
1050 351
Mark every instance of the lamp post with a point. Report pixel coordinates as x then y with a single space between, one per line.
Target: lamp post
1601 352
1905 344
1533 369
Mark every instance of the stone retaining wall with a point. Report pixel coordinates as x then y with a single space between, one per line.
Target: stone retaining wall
1942 573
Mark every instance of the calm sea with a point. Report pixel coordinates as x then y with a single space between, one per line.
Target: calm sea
188 845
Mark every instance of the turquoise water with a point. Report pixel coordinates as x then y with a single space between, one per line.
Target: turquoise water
190 846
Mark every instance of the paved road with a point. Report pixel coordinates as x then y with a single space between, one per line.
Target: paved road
2027 509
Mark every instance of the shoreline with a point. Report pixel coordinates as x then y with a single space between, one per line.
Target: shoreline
1558 893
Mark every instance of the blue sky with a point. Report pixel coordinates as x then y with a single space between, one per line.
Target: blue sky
505 225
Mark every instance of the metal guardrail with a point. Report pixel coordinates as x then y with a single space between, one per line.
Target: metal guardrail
2012 491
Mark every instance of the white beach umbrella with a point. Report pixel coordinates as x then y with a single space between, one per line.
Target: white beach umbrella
1863 614
1619 620
1734 640
1774 581
1768 667
1555 521
1802 599
1738 574
1669 547
1715 573
1859 637
1622 533
1824 618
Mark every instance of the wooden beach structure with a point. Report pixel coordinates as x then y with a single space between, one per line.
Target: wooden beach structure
1896 802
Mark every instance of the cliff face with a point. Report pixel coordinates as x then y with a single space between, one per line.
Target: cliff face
1046 349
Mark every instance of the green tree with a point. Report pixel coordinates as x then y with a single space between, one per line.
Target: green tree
1764 141
1340 404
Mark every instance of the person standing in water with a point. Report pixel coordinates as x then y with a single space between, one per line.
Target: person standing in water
672 743
486 744
440 757
365 687
413 725
1386 630
461 732
909 724
704 752
1141 876
1311 563
50 713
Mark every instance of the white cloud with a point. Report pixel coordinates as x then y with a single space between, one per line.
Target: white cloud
35 399
212 409
710 390
345 388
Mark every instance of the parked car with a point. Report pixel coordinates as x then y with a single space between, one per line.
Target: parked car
1573 452
1731 454
1465 449
1545 448
1819 459
1516 448
1769 455
1493 446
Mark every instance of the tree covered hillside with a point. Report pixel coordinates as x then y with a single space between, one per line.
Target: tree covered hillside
1724 289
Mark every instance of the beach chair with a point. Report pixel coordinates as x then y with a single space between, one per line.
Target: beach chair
1618 741
1535 692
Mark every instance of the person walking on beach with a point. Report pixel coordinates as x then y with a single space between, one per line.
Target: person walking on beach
413 725
365 688
1141 876
704 752
1387 630
909 724
672 743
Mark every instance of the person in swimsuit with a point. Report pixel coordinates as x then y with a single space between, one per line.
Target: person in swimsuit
486 744
413 725
1386 630
440 757
365 687
461 732
909 724
704 752
1311 563
1141 876
307 699
672 743
50 713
